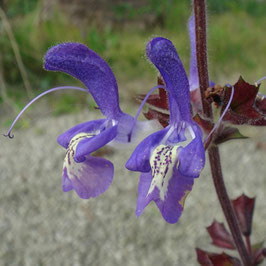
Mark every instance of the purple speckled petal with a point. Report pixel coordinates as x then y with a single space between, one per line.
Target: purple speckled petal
193 73
82 63
140 158
91 126
192 157
89 178
163 55
89 145
172 206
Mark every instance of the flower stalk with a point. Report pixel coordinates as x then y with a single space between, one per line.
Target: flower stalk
213 151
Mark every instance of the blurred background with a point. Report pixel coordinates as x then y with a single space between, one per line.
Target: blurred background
39 224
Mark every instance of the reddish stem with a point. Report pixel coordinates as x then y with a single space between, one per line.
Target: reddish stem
248 244
214 157
201 48
225 202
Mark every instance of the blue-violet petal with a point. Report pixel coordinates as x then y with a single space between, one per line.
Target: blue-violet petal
84 64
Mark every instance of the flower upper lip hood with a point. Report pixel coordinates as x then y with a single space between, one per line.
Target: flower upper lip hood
163 55
84 64
171 158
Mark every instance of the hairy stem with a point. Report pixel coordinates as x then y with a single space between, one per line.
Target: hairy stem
201 49
248 245
214 157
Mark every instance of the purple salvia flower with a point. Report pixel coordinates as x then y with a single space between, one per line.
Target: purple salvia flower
90 176
171 158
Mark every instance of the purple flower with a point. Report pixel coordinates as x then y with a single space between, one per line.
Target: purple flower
90 176
171 158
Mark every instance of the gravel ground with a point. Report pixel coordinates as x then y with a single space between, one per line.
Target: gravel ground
41 225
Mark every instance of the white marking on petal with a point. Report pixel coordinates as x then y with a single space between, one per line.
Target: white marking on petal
165 157
114 122
191 131
73 168
163 161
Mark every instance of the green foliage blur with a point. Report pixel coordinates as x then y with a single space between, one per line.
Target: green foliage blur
236 42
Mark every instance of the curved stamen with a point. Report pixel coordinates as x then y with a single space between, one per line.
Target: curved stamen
140 108
223 114
257 83
35 99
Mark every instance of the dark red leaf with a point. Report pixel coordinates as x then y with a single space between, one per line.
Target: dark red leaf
203 257
224 260
244 208
239 119
245 106
220 236
213 259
